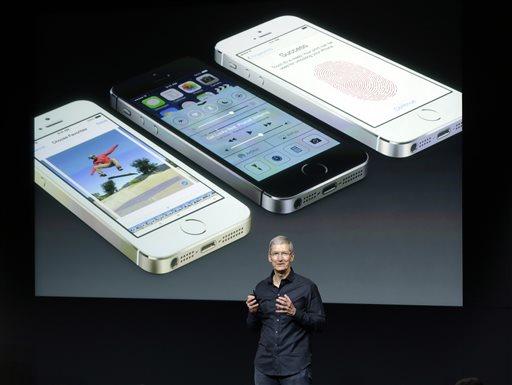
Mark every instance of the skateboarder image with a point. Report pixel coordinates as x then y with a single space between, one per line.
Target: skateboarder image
102 161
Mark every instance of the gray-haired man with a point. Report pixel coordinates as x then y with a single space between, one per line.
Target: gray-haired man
286 307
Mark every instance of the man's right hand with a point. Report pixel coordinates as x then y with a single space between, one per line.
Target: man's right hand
252 304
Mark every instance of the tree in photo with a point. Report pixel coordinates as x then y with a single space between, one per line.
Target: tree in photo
144 166
109 187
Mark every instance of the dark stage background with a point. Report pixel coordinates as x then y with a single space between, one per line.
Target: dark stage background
103 341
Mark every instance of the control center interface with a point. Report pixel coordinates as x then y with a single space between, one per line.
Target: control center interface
254 136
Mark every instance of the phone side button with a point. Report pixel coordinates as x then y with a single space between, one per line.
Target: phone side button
260 81
193 227
42 182
127 112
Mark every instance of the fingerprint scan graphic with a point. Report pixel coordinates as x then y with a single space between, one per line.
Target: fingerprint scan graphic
355 80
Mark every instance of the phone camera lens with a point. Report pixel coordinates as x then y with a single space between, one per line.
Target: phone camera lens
297 203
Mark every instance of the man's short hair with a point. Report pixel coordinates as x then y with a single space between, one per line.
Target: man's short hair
280 240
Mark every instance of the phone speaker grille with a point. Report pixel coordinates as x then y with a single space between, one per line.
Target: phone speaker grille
53 124
189 256
232 236
351 178
343 182
196 253
425 141
310 197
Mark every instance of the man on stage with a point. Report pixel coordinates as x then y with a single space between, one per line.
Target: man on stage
286 307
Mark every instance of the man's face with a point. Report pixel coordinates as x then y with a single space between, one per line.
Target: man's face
280 257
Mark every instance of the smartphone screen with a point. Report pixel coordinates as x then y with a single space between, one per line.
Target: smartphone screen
360 84
133 184
251 134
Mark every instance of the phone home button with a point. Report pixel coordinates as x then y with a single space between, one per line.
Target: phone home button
193 226
430 115
314 169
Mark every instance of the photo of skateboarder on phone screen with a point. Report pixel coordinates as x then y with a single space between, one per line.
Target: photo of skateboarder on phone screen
142 176
103 160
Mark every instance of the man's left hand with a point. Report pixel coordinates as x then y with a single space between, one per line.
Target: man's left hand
285 305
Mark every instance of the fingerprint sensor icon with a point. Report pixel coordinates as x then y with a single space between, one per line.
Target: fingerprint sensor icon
355 80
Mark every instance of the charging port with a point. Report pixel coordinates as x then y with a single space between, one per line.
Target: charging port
329 189
443 133
207 247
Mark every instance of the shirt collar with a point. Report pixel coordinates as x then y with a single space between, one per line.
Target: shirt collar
289 278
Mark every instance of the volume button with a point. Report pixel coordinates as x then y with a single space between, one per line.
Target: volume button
127 111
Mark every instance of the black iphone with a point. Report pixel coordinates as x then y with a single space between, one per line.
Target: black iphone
265 149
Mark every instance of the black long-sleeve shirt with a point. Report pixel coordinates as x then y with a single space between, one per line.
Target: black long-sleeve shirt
284 347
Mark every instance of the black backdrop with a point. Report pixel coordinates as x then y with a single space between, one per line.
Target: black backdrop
57 54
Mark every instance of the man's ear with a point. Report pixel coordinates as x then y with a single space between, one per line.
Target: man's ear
292 257
269 258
